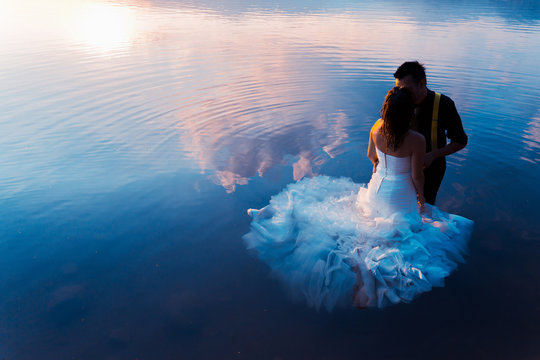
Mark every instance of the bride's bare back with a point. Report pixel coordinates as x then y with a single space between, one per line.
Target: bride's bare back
411 141
413 145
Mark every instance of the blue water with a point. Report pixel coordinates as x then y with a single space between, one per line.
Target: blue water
135 134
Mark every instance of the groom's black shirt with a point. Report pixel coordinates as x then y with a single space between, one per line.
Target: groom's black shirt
449 121
449 126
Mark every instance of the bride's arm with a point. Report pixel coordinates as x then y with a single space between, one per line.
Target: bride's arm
418 152
371 152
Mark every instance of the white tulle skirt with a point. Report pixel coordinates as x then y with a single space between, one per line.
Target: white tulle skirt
330 243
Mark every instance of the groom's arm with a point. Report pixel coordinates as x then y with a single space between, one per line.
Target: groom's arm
454 131
445 151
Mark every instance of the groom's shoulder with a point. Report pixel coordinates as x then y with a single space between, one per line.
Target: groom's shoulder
446 100
446 105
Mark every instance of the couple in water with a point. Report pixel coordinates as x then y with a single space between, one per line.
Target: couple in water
334 242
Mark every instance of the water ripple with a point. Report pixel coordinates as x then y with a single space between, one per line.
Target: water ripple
203 87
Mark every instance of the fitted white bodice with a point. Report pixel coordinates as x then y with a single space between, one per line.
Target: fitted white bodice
391 189
393 165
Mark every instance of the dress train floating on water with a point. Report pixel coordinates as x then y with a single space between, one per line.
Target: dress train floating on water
331 244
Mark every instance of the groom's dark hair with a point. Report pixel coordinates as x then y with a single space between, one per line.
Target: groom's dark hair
413 68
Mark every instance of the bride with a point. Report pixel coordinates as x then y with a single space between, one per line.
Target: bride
333 242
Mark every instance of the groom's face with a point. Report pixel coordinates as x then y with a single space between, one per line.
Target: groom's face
416 88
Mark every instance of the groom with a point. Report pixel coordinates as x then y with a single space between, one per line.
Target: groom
436 118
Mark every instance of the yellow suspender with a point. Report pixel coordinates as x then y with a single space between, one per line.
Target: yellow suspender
434 120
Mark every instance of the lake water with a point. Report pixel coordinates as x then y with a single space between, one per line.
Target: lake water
135 134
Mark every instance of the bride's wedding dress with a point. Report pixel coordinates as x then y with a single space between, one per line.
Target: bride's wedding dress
333 242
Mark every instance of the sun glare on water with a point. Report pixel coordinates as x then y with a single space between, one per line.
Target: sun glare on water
97 26
103 26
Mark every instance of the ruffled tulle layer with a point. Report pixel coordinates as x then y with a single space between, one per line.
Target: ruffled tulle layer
326 244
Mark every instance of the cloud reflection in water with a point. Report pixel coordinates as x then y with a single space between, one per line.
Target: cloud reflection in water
252 146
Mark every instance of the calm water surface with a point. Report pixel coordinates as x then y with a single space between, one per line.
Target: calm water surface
135 134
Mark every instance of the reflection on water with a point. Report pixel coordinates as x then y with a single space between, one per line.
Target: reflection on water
239 90
531 139
120 117
238 146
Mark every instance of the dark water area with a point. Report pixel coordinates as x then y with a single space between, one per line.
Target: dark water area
136 134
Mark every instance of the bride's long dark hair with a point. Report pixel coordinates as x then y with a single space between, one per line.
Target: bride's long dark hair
397 112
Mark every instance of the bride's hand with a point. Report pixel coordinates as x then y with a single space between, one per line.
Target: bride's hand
421 202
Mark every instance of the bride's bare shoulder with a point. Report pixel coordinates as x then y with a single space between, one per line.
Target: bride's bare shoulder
416 138
376 126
